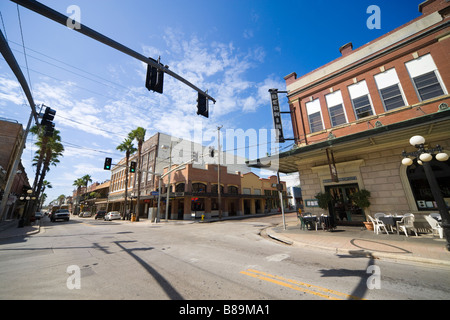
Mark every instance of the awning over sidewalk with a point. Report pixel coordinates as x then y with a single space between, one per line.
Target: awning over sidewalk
433 126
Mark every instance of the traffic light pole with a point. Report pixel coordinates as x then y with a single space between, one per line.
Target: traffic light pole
62 19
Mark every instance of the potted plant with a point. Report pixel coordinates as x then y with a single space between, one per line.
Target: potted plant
323 200
361 199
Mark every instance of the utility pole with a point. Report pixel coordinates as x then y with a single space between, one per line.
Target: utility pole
168 182
280 194
218 172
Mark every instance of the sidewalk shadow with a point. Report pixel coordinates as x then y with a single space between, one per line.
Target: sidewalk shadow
171 292
385 247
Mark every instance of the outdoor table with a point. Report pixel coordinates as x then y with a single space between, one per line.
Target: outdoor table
310 221
390 220
326 223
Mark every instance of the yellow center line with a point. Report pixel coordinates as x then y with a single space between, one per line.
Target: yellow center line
295 285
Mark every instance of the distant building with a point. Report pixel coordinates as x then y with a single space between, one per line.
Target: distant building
194 186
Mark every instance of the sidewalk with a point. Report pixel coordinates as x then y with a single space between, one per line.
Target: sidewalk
359 241
9 229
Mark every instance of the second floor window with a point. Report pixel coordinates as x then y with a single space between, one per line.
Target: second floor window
390 91
336 108
199 187
359 94
233 190
426 78
314 116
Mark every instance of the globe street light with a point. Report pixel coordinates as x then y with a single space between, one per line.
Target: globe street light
424 156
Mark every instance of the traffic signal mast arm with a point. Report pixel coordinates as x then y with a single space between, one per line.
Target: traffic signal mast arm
12 62
62 19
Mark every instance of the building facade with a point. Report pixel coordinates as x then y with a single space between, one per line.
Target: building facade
353 117
11 134
193 187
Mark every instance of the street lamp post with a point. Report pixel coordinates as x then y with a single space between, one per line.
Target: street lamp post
29 196
424 156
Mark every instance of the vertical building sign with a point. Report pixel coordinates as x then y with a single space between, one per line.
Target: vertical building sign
276 114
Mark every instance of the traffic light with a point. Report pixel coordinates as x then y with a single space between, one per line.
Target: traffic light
133 167
155 78
202 105
211 152
47 123
107 165
49 129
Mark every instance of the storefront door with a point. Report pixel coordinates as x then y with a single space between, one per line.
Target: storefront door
342 207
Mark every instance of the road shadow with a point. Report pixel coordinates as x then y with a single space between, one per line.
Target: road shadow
362 287
171 292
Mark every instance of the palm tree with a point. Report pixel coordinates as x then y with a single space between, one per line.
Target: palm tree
61 199
127 147
77 183
53 151
139 135
50 149
45 184
86 179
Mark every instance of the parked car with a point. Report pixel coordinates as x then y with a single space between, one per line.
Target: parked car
38 215
100 214
112 215
60 214
85 214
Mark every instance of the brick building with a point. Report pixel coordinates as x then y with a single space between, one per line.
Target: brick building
193 187
359 112
11 134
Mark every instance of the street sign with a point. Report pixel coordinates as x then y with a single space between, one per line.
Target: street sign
154 193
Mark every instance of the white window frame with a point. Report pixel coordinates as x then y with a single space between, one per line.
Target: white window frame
421 66
334 99
387 79
313 107
358 90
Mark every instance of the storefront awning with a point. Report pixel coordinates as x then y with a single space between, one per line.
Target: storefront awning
433 126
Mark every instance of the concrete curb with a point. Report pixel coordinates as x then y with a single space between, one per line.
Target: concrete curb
361 252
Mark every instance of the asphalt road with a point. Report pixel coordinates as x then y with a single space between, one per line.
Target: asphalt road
228 260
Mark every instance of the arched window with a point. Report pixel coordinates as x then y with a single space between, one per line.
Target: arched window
199 187
420 187
180 187
214 188
233 190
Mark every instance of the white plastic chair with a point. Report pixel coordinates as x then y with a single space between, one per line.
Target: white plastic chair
436 216
435 226
406 223
378 215
377 225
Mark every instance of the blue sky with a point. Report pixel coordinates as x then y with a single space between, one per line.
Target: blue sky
235 49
